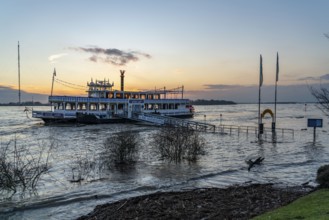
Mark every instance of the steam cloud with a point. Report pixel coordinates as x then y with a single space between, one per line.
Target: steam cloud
112 56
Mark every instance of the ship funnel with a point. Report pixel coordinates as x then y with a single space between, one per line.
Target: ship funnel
122 79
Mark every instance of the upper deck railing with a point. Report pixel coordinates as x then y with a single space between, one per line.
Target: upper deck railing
109 100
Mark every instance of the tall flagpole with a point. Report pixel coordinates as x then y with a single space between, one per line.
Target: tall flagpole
276 85
260 126
19 77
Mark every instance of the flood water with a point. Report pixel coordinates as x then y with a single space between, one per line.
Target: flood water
291 160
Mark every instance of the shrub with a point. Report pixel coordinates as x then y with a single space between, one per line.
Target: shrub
323 176
21 167
83 166
121 148
178 143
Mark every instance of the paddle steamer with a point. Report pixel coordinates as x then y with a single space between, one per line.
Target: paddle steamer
104 104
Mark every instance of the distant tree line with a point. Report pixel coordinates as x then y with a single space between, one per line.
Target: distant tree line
23 104
212 102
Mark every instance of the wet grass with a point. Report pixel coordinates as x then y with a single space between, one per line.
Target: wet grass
312 206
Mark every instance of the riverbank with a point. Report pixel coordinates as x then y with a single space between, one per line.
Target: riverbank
311 206
234 202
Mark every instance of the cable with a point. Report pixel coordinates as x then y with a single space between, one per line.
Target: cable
63 83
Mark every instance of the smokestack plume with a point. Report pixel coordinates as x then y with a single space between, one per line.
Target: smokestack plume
122 79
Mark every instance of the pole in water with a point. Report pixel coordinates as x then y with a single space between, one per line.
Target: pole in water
260 125
273 126
314 135
276 85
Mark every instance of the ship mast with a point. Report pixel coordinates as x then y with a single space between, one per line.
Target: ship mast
52 83
52 88
19 78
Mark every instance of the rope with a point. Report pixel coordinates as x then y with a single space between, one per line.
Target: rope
70 85
62 81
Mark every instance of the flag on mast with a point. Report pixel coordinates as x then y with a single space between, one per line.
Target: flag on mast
54 72
261 72
277 66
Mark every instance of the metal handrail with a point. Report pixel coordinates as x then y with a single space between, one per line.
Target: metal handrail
254 129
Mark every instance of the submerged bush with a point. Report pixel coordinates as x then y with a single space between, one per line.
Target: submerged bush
121 148
21 167
84 166
323 176
177 144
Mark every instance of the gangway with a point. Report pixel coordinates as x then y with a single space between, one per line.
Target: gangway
193 125
160 120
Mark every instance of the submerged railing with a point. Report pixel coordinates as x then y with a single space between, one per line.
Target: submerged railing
267 132
160 120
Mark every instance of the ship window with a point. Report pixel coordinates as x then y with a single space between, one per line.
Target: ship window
120 106
83 106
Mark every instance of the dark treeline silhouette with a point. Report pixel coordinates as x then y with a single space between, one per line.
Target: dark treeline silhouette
23 104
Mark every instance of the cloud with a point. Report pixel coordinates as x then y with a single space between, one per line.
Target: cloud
112 56
53 58
326 35
323 77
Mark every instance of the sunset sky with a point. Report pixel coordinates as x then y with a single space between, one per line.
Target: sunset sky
212 47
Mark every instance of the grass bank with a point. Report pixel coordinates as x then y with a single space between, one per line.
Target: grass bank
312 206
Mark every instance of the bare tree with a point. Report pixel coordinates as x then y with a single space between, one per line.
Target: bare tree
322 94
21 167
322 97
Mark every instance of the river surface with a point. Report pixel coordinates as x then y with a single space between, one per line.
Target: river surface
292 159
